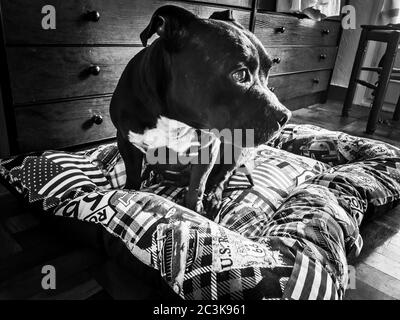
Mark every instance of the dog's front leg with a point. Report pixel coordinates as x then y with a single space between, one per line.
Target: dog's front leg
199 174
219 177
133 159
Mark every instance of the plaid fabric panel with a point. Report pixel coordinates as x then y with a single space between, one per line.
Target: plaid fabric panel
108 159
117 176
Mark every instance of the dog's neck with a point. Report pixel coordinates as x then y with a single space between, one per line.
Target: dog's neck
155 76
153 79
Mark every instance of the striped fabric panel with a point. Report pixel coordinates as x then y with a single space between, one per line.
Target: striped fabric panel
70 179
70 162
310 281
238 181
273 179
265 175
46 181
274 175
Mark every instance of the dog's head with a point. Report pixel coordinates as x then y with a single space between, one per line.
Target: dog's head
217 72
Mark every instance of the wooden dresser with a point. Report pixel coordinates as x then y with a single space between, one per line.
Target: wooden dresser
57 83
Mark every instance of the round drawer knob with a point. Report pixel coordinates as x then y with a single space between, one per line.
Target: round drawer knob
92 16
280 30
94 70
323 56
326 31
272 89
97 119
316 81
276 60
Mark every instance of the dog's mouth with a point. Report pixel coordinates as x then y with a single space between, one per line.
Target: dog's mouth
263 135
278 127
277 133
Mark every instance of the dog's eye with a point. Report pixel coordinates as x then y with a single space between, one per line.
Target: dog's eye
241 76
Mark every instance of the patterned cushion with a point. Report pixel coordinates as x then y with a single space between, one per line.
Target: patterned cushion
287 237
198 258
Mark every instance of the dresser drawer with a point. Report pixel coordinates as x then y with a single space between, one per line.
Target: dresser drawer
46 73
296 59
279 29
63 124
300 84
121 21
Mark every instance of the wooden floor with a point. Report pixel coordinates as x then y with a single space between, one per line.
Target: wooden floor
378 266
26 246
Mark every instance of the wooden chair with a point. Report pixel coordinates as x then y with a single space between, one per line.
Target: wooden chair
389 34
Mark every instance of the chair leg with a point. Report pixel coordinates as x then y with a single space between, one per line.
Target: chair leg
384 79
396 116
362 48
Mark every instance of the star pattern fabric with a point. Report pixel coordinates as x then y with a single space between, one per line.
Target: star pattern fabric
34 173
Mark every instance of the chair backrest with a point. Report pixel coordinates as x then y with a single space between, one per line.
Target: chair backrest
388 27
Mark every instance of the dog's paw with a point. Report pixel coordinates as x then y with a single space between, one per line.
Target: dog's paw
213 201
193 202
200 208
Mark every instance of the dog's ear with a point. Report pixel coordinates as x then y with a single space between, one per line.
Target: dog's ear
169 23
226 15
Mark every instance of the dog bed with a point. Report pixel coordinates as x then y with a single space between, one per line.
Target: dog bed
286 237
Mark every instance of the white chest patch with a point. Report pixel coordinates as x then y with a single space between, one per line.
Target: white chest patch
168 133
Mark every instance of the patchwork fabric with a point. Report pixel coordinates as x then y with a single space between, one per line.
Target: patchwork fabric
331 147
276 173
198 258
286 237
364 188
358 161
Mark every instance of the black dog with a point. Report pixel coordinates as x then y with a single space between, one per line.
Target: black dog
206 73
